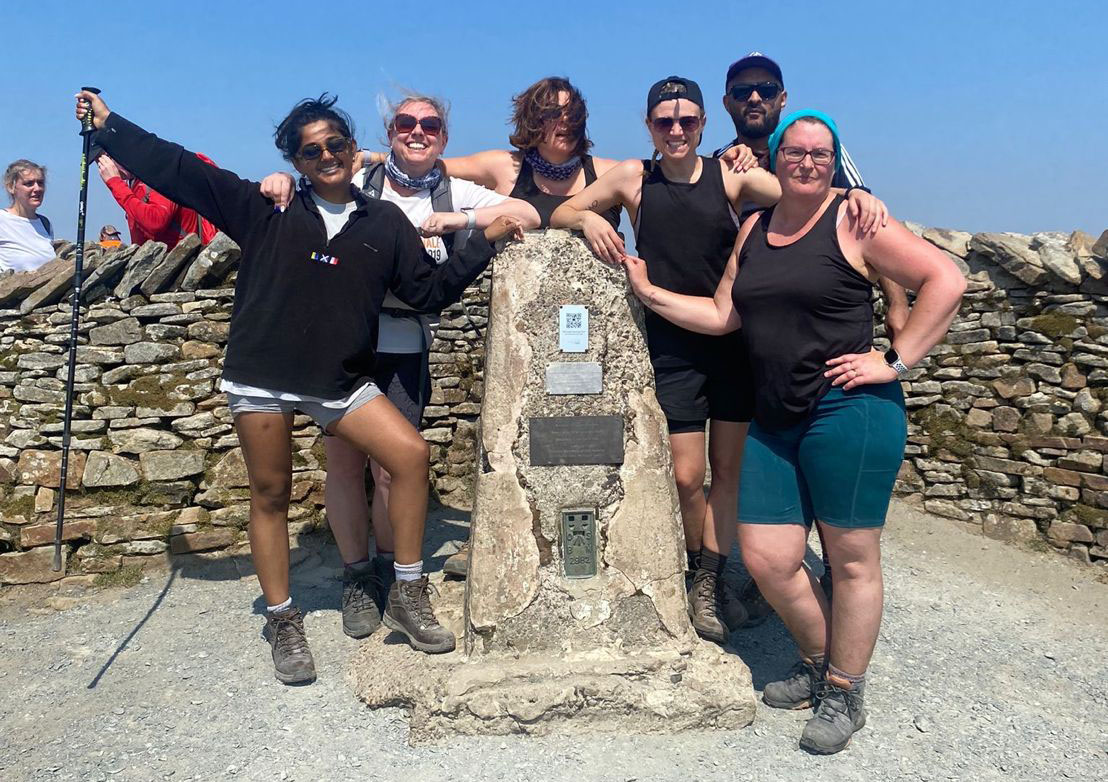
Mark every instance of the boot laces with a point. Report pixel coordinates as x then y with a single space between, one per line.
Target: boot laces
709 592
289 633
833 701
420 594
360 589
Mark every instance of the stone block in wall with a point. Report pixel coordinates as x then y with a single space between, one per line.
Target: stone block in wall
120 332
203 540
141 440
165 272
31 567
103 469
209 331
43 468
212 263
1074 425
1082 461
1012 253
139 266
1007 466
1069 532
1056 257
1005 528
42 534
947 509
150 352
171 465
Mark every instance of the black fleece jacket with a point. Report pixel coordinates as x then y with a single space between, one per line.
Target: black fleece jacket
305 313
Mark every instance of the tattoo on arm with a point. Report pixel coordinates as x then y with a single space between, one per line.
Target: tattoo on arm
594 205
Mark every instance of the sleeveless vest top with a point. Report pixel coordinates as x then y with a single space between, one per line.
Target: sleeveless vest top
545 203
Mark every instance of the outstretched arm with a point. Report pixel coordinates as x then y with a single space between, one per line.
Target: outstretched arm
495 169
619 187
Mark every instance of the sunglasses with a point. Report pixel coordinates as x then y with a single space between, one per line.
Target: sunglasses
665 124
405 123
767 90
336 145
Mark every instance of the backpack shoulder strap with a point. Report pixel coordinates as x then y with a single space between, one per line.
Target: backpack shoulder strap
374 181
46 224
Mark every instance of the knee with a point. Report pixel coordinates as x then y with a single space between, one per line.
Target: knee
725 468
411 457
858 570
770 563
271 495
689 481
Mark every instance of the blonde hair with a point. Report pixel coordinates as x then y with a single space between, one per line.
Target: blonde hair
392 109
15 169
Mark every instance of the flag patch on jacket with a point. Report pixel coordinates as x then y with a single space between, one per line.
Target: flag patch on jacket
330 260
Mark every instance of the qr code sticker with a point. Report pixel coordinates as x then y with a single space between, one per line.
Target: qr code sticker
573 320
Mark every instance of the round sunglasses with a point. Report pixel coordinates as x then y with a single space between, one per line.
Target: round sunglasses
336 145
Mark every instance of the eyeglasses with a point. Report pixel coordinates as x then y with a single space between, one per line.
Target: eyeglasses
336 145
767 90
820 156
405 123
665 124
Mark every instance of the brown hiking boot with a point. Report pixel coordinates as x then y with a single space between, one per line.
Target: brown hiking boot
292 659
360 590
409 612
457 564
705 606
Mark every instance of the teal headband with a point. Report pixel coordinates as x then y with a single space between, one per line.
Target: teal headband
775 139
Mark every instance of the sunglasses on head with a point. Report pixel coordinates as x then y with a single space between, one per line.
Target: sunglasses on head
767 90
665 124
336 145
405 123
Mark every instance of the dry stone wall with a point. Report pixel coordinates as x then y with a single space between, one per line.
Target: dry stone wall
1008 424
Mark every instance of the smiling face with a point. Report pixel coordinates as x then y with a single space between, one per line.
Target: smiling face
676 127
417 150
330 171
28 189
755 116
805 177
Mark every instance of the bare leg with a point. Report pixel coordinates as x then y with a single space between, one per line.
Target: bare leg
347 512
859 592
688 471
382 529
267 450
379 430
774 555
725 453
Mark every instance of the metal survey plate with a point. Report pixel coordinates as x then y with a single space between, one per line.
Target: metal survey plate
574 377
579 542
583 439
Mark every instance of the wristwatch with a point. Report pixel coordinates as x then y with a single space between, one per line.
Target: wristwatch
471 216
892 358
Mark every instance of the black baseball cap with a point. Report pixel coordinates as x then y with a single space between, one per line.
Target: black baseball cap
755 60
671 88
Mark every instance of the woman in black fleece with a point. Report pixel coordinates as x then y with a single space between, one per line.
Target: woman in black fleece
309 290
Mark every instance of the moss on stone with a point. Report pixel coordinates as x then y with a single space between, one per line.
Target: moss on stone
126 576
1096 331
1087 515
947 431
1054 324
148 391
22 505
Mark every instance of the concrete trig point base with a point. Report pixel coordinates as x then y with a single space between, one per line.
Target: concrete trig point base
571 623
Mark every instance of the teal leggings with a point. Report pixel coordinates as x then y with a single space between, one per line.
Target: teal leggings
838 465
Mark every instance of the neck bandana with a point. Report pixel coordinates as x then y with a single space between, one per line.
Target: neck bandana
426 182
555 171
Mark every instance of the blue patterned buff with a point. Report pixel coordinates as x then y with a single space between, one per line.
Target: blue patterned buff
555 171
428 181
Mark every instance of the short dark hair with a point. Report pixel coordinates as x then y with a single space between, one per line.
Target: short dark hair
532 107
307 111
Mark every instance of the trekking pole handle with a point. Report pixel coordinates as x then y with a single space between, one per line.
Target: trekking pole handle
86 122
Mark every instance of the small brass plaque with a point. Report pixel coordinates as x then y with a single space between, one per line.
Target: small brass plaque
579 542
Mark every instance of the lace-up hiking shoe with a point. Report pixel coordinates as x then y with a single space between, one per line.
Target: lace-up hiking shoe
757 607
705 604
839 714
457 564
386 577
292 659
797 690
409 612
361 588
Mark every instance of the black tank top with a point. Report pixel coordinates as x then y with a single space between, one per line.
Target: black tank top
545 203
685 233
801 304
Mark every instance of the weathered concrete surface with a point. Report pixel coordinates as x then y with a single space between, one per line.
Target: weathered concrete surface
544 653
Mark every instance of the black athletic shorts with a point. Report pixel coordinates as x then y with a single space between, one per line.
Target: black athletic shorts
406 381
707 378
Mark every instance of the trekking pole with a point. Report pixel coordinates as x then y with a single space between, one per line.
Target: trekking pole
82 206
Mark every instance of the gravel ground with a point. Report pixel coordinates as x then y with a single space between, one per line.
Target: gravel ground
991 665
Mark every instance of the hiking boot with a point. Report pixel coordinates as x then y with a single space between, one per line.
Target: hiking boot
292 659
457 564
361 589
386 577
705 600
757 607
409 612
797 690
840 713
733 611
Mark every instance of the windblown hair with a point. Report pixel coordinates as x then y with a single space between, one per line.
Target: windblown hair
13 171
538 104
307 111
441 107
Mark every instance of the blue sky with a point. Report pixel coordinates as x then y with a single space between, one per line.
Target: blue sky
972 115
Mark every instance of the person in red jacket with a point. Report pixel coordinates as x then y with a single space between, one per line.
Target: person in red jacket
150 215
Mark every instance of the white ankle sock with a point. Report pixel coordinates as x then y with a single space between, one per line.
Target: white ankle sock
280 607
411 572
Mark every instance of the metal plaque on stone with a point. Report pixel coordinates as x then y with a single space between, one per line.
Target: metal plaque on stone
574 377
579 542
582 439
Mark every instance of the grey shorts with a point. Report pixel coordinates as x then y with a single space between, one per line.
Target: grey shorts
323 416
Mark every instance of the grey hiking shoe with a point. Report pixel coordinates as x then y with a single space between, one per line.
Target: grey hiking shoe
386 577
757 607
409 612
457 564
797 690
292 659
839 714
705 606
361 588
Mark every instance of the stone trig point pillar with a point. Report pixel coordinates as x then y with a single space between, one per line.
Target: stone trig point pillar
575 613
